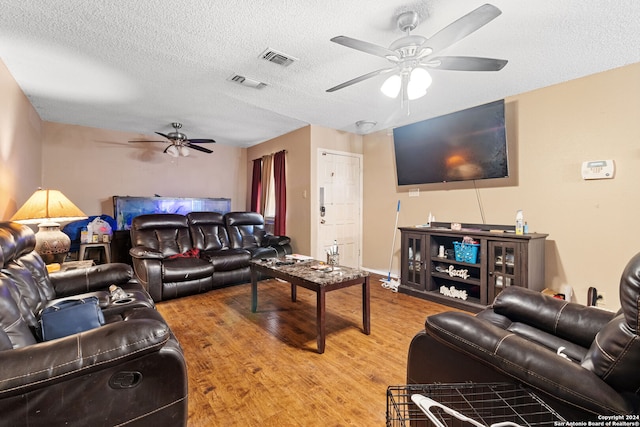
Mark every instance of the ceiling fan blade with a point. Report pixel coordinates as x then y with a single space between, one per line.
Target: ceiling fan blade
201 141
466 63
147 140
462 27
162 134
361 78
196 147
366 47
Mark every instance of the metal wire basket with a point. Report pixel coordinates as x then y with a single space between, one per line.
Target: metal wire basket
485 403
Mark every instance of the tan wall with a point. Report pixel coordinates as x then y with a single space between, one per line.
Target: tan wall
91 165
302 195
20 152
592 225
297 144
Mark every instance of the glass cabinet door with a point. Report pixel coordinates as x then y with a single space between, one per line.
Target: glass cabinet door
503 267
413 251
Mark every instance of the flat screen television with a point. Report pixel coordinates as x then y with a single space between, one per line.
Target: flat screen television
466 145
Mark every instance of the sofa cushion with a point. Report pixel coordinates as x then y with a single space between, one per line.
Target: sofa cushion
183 269
15 331
555 316
615 353
38 269
27 286
258 253
573 351
167 233
208 232
271 240
191 253
16 240
614 356
227 259
246 229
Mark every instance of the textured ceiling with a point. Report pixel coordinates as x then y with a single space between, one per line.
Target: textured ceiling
138 66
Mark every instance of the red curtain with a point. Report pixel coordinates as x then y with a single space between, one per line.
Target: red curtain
256 185
280 184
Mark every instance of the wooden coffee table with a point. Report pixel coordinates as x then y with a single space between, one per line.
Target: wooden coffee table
305 274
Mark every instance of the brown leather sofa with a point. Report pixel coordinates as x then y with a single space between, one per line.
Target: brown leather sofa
175 255
129 371
582 361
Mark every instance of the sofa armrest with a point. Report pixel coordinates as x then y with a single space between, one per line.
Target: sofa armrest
148 271
143 252
99 277
271 240
35 366
527 362
552 315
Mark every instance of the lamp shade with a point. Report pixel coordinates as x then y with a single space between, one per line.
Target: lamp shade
44 208
51 205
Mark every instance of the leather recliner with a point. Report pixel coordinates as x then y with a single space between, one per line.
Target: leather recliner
582 361
246 231
161 254
39 289
129 371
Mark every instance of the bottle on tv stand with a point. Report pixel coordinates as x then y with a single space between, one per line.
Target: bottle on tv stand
519 222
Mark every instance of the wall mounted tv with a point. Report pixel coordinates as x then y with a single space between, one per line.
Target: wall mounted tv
466 145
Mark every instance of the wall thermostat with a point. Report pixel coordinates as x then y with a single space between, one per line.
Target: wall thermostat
598 169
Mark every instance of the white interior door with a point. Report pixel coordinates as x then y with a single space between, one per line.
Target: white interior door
340 201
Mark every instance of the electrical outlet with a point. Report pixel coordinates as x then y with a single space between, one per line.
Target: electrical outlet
602 300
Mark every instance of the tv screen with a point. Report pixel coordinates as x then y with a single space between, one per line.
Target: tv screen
466 145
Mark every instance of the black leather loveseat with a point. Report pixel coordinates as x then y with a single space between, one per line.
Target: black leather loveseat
129 371
175 255
583 361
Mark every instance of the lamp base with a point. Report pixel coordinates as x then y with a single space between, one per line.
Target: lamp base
51 243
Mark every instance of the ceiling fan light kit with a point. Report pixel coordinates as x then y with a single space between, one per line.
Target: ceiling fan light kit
172 150
411 55
391 86
419 82
179 143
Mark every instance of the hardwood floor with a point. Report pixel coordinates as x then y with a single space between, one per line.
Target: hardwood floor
262 369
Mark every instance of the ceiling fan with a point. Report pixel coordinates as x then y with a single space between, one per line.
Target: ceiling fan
180 144
411 55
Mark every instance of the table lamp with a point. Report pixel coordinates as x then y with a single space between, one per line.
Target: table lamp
46 208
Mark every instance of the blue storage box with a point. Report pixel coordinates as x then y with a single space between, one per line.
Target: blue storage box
466 252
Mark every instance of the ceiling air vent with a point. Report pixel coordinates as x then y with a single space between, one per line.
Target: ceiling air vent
276 57
245 81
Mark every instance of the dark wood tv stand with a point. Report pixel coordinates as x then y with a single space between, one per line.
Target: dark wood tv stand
504 259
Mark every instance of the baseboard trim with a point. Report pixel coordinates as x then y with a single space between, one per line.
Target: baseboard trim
382 273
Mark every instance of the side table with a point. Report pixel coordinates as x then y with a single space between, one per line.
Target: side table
106 247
